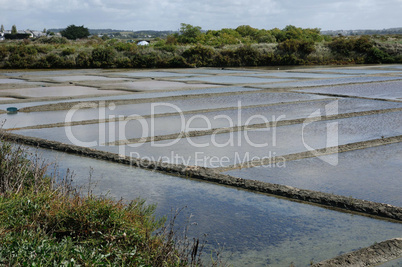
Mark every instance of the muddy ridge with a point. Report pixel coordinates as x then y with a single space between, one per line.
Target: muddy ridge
376 254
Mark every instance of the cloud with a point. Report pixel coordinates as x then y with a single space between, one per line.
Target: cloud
209 14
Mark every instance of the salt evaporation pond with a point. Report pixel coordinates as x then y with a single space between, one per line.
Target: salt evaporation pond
2 81
222 150
253 229
211 71
171 106
299 75
158 85
357 71
232 79
59 91
220 90
184 123
152 74
236 147
48 72
384 90
308 83
6 99
372 174
79 78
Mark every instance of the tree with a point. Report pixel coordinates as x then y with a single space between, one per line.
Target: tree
2 28
189 33
14 29
73 32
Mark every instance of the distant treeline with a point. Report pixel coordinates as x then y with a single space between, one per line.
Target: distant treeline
124 33
363 32
192 47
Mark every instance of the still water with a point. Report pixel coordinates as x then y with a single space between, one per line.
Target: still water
250 229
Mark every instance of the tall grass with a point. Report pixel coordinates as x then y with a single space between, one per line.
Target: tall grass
45 221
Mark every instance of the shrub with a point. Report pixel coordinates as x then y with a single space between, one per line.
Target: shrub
52 40
103 57
376 55
247 55
342 46
54 60
199 55
291 46
178 62
3 52
68 51
363 44
45 221
83 60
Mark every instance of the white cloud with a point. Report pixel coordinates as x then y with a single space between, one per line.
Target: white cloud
209 14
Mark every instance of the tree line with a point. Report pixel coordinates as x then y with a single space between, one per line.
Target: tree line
193 47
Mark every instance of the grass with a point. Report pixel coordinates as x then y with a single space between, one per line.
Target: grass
45 221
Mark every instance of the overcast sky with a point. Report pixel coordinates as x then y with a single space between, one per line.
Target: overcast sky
208 14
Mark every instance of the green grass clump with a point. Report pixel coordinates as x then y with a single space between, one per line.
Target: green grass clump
48 222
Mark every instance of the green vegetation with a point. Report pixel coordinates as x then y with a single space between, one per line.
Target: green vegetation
13 29
73 32
45 221
192 47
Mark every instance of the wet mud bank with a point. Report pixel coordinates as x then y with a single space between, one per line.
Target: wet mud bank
330 200
376 254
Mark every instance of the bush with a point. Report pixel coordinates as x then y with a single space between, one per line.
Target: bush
103 57
52 40
301 47
376 56
49 223
247 55
199 56
83 60
3 52
341 46
68 51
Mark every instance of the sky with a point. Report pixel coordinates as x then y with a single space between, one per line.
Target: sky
208 14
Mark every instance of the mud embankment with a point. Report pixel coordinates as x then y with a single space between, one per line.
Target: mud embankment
370 256
330 200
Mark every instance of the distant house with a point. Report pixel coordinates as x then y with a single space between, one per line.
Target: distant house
143 43
37 34
2 36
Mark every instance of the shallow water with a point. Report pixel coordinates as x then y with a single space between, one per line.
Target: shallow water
300 75
78 78
59 91
152 74
7 98
158 85
184 123
253 229
371 174
48 72
233 79
171 106
356 71
140 96
220 150
307 83
240 147
2 81
212 71
384 90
